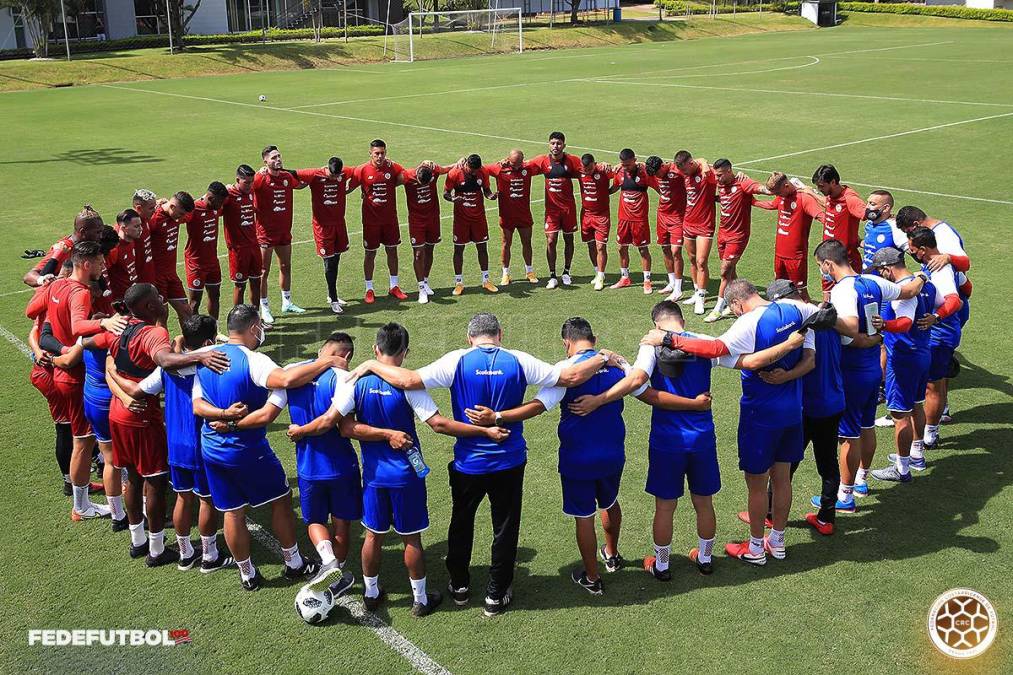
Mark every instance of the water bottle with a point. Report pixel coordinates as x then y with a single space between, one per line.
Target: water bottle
419 464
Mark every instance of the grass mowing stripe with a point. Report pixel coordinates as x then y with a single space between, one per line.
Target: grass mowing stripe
16 341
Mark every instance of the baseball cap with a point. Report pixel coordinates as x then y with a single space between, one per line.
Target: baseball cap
780 288
885 257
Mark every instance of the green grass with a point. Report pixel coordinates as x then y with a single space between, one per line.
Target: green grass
858 600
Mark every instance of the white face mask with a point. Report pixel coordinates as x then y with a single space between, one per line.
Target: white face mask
261 336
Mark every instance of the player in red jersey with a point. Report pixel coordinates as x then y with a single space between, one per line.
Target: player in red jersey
795 213
121 263
87 227
164 228
559 169
328 187
513 185
698 223
630 182
595 214
378 179
465 187
423 220
272 200
203 271
145 202
238 216
139 442
735 195
843 213
666 180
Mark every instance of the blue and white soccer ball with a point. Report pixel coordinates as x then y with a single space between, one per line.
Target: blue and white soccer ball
313 606
263 98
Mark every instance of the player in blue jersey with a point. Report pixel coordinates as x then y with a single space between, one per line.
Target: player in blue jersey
242 469
486 374
880 227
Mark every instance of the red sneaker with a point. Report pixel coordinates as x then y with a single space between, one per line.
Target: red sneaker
740 550
649 567
624 282
826 529
370 297
767 522
96 487
776 551
702 567
397 293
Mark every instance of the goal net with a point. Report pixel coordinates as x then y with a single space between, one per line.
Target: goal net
433 35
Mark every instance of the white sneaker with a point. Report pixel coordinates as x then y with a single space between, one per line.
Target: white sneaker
674 296
92 511
667 289
727 311
423 297
690 300
884 421
599 283
698 307
945 418
713 316
291 308
428 290
336 307
265 314
340 301
553 283
567 280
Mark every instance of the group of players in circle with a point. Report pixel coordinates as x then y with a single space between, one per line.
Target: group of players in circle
810 373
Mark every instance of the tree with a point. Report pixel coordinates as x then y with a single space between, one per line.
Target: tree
179 21
39 17
574 8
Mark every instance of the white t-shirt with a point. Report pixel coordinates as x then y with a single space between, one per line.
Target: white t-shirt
945 282
741 337
844 297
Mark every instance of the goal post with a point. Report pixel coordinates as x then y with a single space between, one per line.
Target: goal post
429 35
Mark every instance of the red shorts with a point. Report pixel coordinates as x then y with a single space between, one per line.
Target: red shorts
245 263
274 236
595 226
330 240
731 250
669 230
514 225
698 230
424 233
565 221
71 401
795 270
42 379
170 287
200 275
471 231
376 235
633 233
143 448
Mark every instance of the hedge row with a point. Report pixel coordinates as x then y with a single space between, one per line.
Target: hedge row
951 11
682 7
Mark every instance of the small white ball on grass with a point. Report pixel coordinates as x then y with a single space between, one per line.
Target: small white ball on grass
262 98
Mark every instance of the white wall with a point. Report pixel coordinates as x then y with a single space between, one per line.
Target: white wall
7 40
212 17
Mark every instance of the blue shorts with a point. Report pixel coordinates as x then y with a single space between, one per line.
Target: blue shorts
760 447
940 366
861 396
903 392
581 495
98 417
189 480
403 508
668 472
253 483
337 497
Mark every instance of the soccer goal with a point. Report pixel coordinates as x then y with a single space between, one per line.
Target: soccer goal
430 35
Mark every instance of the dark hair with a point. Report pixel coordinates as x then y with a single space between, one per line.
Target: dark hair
377 143
587 159
908 216
557 136
245 170
722 164
626 153
137 295
108 240
126 215
218 188
832 250
883 193
198 329
241 317
267 151
424 175
826 173
665 309
335 165
776 181
84 251
577 328
653 165
682 157
88 217
340 338
392 339
739 290
474 162
185 200
922 237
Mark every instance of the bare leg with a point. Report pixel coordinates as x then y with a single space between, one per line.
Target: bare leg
414 556
80 460
780 478
664 512
550 250
903 432
392 260
419 261
703 251
587 544
214 300
256 292
526 252
182 513
851 454
372 552
267 253
368 263
195 297
284 266
690 244
458 259
207 518
483 256
567 250
237 536
645 258
935 401
756 485
430 248
868 448
611 522
238 292
154 495
603 255
508 237
283 521
342 538
111 476
706 520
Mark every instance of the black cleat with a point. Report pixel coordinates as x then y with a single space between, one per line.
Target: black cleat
309 569
612 563
188 562
650 565
342 585
139 551
219 563
701 567
497 606
433 600
254 583
373 604
166 557
460 596
68 489
121 524
579 577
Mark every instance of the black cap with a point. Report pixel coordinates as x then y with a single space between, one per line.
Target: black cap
780 288
885 257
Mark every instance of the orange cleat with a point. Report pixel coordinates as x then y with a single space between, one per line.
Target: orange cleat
397 293
648 288
826 529
370 297
660 575
767 522
702 567
624 282
740 550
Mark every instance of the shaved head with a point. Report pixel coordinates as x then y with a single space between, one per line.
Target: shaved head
516 156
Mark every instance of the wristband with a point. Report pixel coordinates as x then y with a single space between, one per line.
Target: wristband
668 340
499 419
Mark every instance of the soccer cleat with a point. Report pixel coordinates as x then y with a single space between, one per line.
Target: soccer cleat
599 283
891 474
429 291
713 316
767 522
667 289
166 557
291 308
826 529
702 567
309 569
340 301
674 296
648 288
458 289
930 443
844 507
777 551
496 606
139 551
726 312
567 279
342 585
187 563
265 314
121 524
612 563
96 487
323 573
373 604
624 282
691 300
881 396
740 550
698 307
884 421
460 596
92 511
553 282
219 563
433 600
370 297
946 418
504 280
489 287
531 277
579 577
861 490
651 567
917 464
336 307
253 583
423 297
68 489
396 292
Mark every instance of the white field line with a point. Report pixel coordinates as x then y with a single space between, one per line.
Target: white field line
17 342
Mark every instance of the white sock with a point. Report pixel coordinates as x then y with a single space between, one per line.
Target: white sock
246 569
931 433
671 278
185 546
485 276
903 465
66 478
372 587
844 492
721 305
393 280
422 285
705 548
528 269
506 271
419 590
458 279
701 292
677 286
286 296
860 477
156 542
209 547
661 554
917 450
624 272
369 284
755 545
647 277
81 498
264 302
776 538
598 274
426 282
116 507
292 557
326 551
137 534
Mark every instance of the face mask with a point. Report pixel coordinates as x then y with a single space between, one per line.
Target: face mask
261 336
873 214
827 277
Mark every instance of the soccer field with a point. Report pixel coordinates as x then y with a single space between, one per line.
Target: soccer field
925 112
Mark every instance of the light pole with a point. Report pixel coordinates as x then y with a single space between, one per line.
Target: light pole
66 39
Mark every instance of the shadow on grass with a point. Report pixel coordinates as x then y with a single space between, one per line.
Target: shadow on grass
93 157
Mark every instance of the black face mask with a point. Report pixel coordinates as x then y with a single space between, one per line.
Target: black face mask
873 214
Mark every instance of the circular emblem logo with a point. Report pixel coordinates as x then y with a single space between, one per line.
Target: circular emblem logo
637 179
524 172
239 276
285 183
479 181
323 251
196 283
793 205
734 189
880 238
455 237
696 179
413 240
962 623
671 174
387 176
597 176
546 225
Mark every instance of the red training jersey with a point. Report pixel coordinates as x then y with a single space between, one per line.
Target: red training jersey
794 219
379 198
328 195
513 184
594 190
423 200
843 218
700 193
143 257
559 177
671 189
736 208
202 236
272 200
58 252
164 242
238 219
121 265
469 206
69 315
633 204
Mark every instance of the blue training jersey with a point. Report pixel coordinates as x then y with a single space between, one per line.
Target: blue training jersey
914 341
380 404
946 331
850 297
182 425
329 455
96 391
877 236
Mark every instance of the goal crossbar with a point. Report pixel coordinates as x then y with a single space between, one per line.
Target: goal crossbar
414 25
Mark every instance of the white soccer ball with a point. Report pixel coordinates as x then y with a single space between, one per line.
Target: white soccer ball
262 98
313 606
